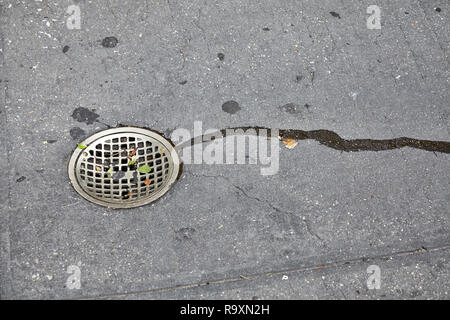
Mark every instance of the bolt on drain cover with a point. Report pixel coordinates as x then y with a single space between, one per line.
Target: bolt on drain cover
124 167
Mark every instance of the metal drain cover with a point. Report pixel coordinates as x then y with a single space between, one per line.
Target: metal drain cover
124 167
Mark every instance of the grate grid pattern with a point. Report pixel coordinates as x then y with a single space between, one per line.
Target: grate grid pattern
125 168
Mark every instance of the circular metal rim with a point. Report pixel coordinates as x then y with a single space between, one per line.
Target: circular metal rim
128 205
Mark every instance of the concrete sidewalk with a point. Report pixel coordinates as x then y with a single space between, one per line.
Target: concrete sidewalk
226 231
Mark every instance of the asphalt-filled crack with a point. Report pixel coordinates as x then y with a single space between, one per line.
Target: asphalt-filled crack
332 140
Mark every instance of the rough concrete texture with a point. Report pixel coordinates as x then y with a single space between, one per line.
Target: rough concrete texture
287 64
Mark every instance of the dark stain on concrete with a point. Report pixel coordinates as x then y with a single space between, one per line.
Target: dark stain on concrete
65 49
231 107
221 56
184 234
22 178
77 133
84 115
291 108
168 132
110 42
335 14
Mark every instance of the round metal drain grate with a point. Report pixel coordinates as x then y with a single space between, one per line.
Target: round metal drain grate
124 167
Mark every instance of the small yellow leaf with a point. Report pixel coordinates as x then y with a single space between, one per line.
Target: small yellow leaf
290 142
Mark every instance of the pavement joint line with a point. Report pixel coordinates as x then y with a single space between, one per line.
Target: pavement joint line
7 142
336 264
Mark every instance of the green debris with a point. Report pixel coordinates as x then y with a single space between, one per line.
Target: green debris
132 161
81 146
144 169
110 170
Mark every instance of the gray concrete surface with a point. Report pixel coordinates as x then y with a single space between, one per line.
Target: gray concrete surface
225 231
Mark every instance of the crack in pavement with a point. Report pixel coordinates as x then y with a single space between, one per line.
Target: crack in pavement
242 191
